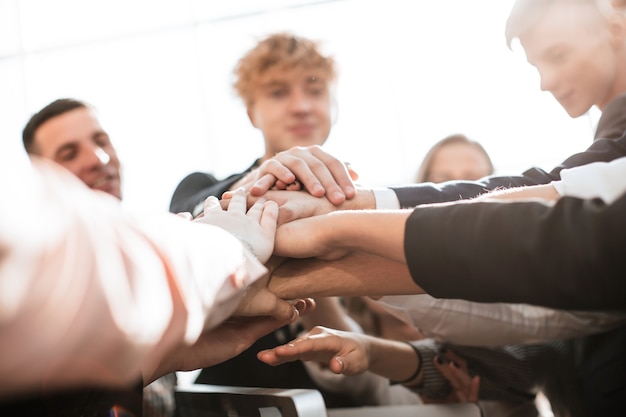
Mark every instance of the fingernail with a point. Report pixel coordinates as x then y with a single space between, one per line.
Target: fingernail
317 189
300 305
338 358
338 195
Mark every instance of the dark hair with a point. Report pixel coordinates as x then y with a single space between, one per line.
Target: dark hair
54 109
458 138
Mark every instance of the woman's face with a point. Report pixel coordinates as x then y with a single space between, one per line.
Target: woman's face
458 161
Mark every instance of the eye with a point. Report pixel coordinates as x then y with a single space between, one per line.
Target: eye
66 155
557 57
278 93
316 91
102 140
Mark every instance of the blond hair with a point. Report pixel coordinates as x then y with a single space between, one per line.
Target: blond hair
284 51
525 14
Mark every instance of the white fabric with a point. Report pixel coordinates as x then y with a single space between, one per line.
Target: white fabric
386 199
495 324
605 180
87 291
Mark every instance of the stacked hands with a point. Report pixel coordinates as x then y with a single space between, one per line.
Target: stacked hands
270 212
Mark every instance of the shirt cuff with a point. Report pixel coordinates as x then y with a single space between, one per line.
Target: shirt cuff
199 208
386 199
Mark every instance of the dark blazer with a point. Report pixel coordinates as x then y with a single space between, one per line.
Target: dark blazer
612 123
570 255
412 195
197 186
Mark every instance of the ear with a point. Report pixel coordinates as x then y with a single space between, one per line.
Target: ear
334 111
617 28
250 112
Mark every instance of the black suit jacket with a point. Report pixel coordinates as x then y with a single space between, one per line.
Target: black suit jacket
412 195
612 123
197 186
571 255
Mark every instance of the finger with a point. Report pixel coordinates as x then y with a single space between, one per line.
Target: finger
341 176
294 186
312 174
452 356
238 201
474 389
269 357
458 379
185 215
273 171
351 171
280 186
256 211
269 215
305 306
225 202
337 365
282 310
212 204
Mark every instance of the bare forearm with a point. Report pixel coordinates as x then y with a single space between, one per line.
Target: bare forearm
375 232
352 275
394 360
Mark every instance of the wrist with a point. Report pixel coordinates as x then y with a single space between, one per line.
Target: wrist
339 230
363 200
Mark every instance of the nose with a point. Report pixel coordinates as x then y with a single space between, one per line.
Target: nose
300 102
98 156
102 156
548 80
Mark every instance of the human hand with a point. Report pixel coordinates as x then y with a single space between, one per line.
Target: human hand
217 345
307 238
465 388
258 300
343 352
310 168
255 228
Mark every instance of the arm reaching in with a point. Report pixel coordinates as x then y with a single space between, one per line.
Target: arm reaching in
348 353
88 286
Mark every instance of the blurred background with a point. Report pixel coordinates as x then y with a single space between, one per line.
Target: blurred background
160 74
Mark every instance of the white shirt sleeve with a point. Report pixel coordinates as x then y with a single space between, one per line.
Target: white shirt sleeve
88 292
605 180
496 324
386 199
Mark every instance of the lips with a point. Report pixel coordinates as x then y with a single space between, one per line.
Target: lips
302 129
108 183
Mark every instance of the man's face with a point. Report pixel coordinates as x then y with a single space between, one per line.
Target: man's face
291 108
576 56
76 141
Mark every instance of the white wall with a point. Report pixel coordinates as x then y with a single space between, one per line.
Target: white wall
159 72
